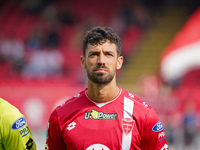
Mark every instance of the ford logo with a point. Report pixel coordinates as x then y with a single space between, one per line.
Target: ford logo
19 123
157 127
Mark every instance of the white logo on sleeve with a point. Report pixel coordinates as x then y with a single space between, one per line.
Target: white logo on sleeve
131 95
145 104
165 147
71 125
97 147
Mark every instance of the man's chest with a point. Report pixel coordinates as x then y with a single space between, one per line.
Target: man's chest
100 128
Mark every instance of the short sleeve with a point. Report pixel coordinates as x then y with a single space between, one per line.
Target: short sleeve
153 133
15 133
54 140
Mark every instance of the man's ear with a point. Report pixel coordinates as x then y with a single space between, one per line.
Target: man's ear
120 61
83 62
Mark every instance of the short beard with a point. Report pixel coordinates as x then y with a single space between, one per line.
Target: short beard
98 78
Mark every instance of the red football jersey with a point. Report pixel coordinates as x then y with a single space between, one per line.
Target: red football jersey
125 123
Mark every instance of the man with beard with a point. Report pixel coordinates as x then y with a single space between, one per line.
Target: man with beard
104 116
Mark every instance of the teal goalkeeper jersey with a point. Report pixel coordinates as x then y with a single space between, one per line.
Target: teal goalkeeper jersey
14 131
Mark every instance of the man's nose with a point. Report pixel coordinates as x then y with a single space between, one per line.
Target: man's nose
101 59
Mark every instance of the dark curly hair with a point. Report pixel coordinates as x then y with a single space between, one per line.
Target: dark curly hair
99 35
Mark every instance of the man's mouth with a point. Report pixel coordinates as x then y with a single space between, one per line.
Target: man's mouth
101 70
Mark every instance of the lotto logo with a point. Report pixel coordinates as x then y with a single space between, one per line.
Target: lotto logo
71 125
30 144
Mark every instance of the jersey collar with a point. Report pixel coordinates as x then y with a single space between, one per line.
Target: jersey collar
103 103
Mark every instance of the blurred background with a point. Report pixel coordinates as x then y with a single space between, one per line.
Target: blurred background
41 44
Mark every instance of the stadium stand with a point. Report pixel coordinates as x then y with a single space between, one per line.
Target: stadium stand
145 32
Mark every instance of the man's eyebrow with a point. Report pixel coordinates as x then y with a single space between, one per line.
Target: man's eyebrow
93 52
107 51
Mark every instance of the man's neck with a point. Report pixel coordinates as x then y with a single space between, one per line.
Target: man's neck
102 92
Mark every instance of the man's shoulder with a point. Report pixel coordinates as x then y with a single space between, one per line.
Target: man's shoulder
138 102
11 117
8 111
141 110
68 108
71 103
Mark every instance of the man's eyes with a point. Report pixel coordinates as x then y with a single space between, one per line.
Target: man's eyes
93 54
97 54
109 54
